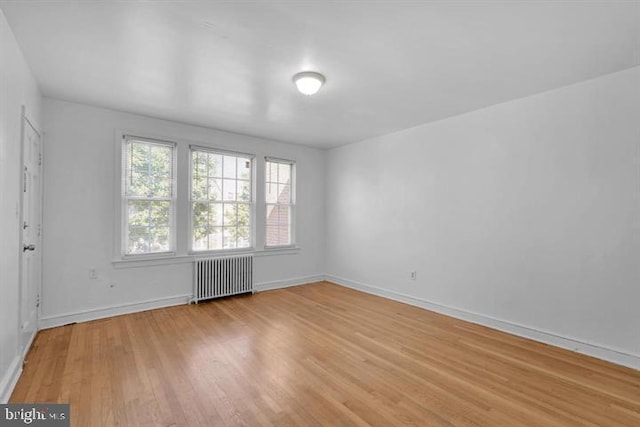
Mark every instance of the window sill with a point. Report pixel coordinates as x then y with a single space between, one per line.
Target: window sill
285 250
182 259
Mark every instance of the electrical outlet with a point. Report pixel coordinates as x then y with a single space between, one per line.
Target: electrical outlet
413 275
93 274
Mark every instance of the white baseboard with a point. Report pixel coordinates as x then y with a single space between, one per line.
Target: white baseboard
28 347
8 383
590 349
278 284
611 355
116 310
10 379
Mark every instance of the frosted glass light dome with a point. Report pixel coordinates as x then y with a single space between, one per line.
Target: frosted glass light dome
309 82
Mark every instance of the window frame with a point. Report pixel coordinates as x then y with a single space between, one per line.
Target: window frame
291 204
252 201
124 199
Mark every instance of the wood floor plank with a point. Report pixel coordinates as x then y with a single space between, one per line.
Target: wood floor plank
317 355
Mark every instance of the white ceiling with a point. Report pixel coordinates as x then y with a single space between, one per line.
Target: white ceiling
389 65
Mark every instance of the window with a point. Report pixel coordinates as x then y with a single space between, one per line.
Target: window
148 196
216 212
280 201
221 200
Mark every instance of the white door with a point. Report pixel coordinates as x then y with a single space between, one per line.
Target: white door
31 259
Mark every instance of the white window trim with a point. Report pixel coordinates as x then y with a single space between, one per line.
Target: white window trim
182 259
292 191
124 199
252 203
181 216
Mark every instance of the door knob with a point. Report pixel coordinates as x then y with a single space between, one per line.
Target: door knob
28 248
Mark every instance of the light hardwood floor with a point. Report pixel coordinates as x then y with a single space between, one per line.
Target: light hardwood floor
317 355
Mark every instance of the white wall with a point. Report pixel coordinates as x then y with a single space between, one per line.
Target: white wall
80 223
17 88
525 213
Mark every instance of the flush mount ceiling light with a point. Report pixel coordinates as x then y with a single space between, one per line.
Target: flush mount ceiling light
308 82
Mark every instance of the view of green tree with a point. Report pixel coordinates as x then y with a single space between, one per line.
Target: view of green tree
149 188
149 170
220 201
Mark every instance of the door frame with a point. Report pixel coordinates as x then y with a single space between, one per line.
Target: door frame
27 120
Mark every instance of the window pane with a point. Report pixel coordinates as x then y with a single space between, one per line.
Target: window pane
284 195
278 225
200 223
283 236
216 214
244 168
285 216
137 163
159 213
278 236
272 170
138 240
215 165
200 240
282 213
271 192
271 236
159 239
199 186
284 173
230 214
139 152
244 215
227 224
229 238
199 164
160 186
201 237
138 213
148 213
147 176
137 183
244 191
229 167
272 217
207 230
215 239
160 161
229 190
244 237
144 240
215 190
148 226
148 169
279 202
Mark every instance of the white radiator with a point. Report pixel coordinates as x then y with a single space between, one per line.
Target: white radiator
221 277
